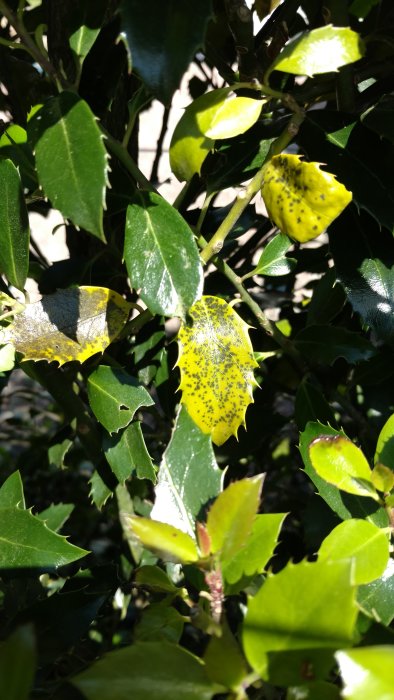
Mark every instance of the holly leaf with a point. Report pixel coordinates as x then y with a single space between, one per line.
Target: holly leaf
367 672
273 260
72 324
14 226
216 363
301 199
340 462
167 541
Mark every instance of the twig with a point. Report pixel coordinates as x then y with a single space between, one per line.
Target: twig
159 145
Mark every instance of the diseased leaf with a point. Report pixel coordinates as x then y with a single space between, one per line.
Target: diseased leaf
343 464
72 324
188 477
126 454
367 673
71 160
216 362
301 199
320 51
161 256
14 226
115 396
169 542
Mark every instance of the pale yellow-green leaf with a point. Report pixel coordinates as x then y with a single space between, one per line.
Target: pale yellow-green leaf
166 540
301 199
216 363
320 51
72 324
232 117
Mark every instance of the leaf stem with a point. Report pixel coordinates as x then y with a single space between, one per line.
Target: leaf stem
125 158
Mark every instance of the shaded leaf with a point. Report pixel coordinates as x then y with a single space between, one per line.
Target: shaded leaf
380 117
316 690
155 579
327 301
362 541
238 160
71 160
86 19
56 515
25 541
159 621
340 462
169 542
72 324
301 199
304 606
162 48
161 256
18 664
14 226
367 673
11 492
154 670
188 477
99 491
310 405
361 8
216 362
324 344
320 51
273 260
115 396
376 599
126 453
224 661
13 145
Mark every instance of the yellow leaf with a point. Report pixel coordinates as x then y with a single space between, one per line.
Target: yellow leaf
301 199
216 363
72 324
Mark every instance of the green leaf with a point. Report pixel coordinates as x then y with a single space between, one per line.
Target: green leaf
13 145
216 362
86 18
257 549
385 445
224 661
327 301
376 599
367 673
320 51
126 453
382 478
310 405
380 117
273 260
155 579
159 621
361 541
317 690
162 48
304 606
231 517
324 344
237 160
18 664
25 541
11 492
361 8
56 515
188 477
341 463
71 160
301 199
161 256
72 324
99 491
7 358
154 670
230 118
344 504
169 542
115 397
14 226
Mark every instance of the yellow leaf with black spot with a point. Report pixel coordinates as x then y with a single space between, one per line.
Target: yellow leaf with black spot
301 199
72 324
216 363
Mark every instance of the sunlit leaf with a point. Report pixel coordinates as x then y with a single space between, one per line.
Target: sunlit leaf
341 463
216 362
320 51
126 453
301 199
376 599
367 673
172 544
273 260
72 324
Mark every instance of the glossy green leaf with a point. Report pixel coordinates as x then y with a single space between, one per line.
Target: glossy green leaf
169 542
18 664
56 515
14 226
11 492
161 256
258 548
385 445
273 260
71 324
25 541
154 670
301 199
231 517
99 491
126 453
367 673
71 160
188 477
376 599
380 117
362 541
86 18
341 463
115 396
159 621
304 606
320 51
316 690
13 145
324 344
224 661
310 405
162 48
216 362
